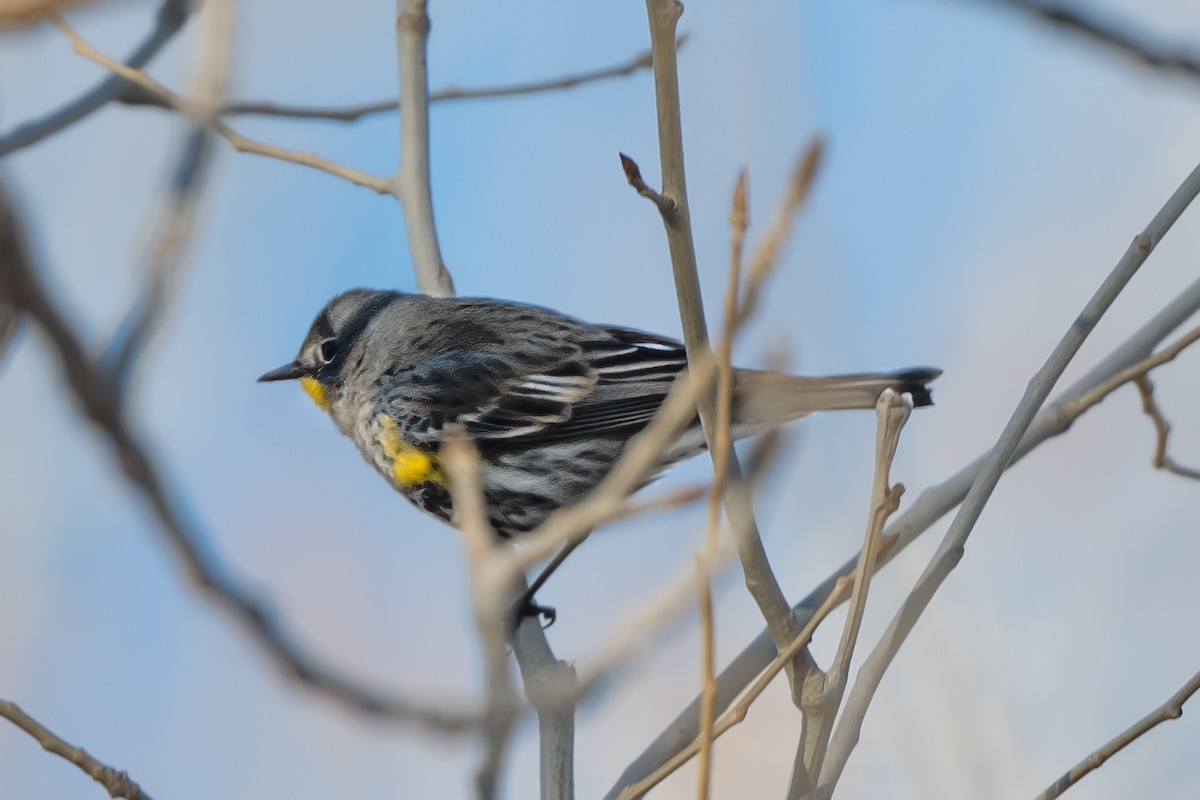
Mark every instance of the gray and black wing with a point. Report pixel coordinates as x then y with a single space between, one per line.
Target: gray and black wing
601 381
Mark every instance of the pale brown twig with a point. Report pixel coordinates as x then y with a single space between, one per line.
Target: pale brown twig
739 221
240 143
760 580
1172 709
1162 430
491 595
353 113
116 782
168 22
933 503
892 412
738 713
669 602
950 550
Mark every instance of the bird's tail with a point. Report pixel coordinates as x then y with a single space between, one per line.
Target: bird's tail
764 399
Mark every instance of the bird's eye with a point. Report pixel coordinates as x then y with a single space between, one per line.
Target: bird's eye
327 350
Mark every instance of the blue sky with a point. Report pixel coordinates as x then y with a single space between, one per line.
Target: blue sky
984 173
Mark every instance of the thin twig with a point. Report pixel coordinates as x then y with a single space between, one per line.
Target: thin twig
641 456
892 411
1162 430
633 174
99 399
760 580
1139 375
491 596
738 713
116 782
353 113
1122 36
766 255
169 20
739 220
672 599
240 143
932 504
1172 709
951 548
1131 373
176 221
411 184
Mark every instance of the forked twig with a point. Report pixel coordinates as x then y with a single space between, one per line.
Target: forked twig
951 548
168 22
240 143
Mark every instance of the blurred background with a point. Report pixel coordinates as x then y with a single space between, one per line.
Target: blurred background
984 172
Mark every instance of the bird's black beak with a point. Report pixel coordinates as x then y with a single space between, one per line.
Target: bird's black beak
285 373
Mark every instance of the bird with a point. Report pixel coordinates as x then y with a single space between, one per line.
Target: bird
548 401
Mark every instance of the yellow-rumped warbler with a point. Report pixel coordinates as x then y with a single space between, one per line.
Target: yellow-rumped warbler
549 401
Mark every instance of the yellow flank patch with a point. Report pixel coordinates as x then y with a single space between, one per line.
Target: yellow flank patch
410 466
313 388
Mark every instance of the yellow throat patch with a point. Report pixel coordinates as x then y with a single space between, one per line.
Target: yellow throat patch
313 388
410 467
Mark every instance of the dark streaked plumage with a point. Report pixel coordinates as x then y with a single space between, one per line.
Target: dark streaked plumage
549 401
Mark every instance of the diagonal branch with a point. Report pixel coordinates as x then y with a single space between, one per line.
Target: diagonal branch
737 714
932 504
1121 37
195 112
1162 430
99 398
892 412
170 19
951 548
116 782
1172 709
353 113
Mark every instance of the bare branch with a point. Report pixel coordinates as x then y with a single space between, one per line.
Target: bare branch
933 503
1122 37
951 548
739 220
824 697
760 580
411 183
170 19
116 782
786 656
353 113
240 143
99 399
1172 709
175 223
